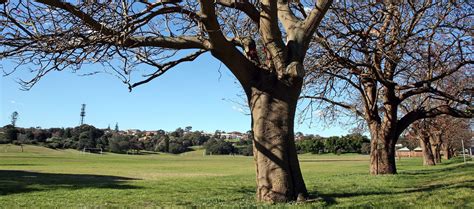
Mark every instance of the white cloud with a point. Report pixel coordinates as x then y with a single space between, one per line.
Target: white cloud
13 102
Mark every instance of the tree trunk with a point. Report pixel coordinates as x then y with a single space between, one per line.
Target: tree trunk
428 158
436 153
447 152
382 151
436 148
273 106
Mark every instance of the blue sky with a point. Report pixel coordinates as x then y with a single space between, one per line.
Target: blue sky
195 94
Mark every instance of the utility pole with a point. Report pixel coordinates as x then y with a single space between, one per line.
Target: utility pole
83 113
463 150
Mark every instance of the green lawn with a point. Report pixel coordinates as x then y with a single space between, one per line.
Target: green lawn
41 177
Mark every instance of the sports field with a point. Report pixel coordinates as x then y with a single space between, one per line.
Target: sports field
41 177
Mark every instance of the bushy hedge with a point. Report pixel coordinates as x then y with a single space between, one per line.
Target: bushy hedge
219 147
352 143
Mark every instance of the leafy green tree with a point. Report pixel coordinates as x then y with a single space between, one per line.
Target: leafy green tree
196 138
219 147
163 144
86 140
69 143
67 133
11 134
179 132
55 142
86 136
119 143
176 148
188 129
103 141
40 135
245 150
310 145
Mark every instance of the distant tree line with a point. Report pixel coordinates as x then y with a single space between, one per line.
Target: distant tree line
87 136
84 136
175 142
352 143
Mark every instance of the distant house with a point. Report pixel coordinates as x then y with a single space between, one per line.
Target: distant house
144 138
403 152
150 133
132 131
232 135
417 152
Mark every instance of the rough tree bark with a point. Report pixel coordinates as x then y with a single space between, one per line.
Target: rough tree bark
435 141
447 151
384 135
382 150
428 158
279 177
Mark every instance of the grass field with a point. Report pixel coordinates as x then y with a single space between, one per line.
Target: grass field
41 177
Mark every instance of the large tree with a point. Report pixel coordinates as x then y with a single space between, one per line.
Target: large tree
376 57
420 131
446 134
262 42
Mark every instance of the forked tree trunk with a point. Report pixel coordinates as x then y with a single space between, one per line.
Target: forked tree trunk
428 158
279 177
382 151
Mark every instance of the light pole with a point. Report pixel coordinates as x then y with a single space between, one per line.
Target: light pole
463 150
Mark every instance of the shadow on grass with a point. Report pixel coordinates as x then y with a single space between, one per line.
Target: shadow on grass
331 198
14 181
20 164
139 153
330 160
436 170
455 160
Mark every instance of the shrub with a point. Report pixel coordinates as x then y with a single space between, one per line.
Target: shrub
219 147
119 144
246 150
11 134
54 143
176 148
310 145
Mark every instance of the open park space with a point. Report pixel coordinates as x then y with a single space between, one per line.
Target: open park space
325 94
42 177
